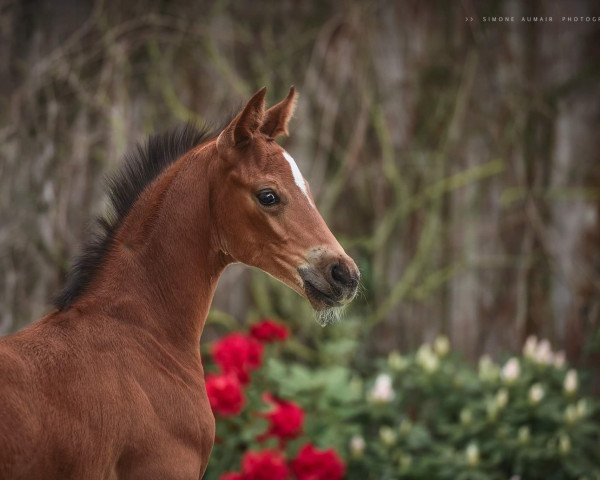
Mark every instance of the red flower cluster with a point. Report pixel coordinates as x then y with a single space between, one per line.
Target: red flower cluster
265 465
285 419
238 354
309 464
312 464
269 331
225 394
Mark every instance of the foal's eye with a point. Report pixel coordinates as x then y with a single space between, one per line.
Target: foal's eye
267 197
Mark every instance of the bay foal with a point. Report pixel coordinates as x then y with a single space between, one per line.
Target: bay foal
110 385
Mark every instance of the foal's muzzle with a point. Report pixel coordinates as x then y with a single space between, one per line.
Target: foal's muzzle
330 283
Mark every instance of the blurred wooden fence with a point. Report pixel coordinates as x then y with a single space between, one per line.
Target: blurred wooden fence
458 161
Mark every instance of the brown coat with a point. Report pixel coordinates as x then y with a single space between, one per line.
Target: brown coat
111 384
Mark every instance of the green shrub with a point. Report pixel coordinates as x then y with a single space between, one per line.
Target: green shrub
427 415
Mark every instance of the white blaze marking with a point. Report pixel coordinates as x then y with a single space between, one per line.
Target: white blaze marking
298 178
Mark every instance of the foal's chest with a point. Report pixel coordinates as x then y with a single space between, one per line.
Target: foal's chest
172 431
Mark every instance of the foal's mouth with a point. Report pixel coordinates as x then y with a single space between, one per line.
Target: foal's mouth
321 294
330 284
319 299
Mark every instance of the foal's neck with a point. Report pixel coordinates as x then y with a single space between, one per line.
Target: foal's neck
164 265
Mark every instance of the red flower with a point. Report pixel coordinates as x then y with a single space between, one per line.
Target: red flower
238 354
225 394
231 476
269 331
285 419
265 465
312 464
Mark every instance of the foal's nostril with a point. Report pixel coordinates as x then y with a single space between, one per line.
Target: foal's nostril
338 274
341 275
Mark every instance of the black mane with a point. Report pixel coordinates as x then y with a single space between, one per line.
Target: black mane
139 169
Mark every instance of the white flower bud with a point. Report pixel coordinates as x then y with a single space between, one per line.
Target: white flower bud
560 359
382 391
564 444
511 370
530 347
357 446
427 359
387 435
543 353
472 454
501 398
441 346
488 370
582 408
536 393
571 382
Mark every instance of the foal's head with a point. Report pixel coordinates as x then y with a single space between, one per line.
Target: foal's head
266 216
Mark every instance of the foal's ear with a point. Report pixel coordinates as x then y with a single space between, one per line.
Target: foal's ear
277 117
245 124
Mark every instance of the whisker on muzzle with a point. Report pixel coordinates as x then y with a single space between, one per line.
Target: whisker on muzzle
361 290
329 316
